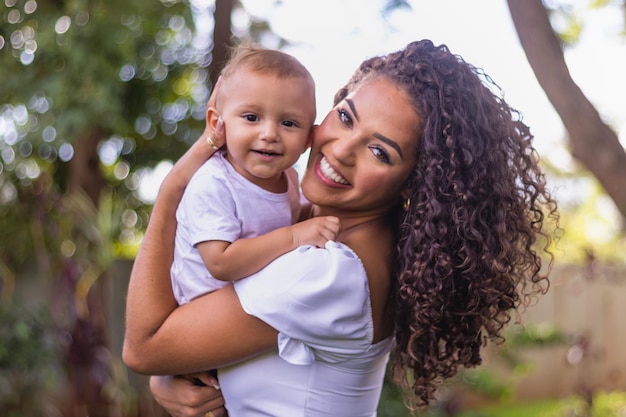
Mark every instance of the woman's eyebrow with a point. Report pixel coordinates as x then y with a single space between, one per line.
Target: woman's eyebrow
389 142
352 108
385 139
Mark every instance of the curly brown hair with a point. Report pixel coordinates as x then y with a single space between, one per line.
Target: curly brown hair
469 246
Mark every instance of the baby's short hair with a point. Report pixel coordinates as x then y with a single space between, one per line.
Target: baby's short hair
264 61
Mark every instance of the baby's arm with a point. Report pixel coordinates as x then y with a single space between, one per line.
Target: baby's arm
232 261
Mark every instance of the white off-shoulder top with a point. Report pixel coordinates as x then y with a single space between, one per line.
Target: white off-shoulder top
325 365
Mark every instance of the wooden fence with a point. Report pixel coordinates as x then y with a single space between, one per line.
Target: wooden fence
589 306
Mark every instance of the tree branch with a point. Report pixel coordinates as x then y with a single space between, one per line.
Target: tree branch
591 141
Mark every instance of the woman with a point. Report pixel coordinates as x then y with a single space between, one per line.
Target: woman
441 202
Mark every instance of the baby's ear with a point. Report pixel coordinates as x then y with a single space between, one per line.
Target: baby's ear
309 139
212 116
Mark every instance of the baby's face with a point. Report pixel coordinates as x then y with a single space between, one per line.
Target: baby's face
268 122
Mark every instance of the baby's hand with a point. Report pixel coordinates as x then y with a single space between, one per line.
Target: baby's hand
316 231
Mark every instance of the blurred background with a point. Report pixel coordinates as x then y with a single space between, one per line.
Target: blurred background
98 97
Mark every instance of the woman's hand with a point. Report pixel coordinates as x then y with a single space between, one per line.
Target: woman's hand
196 155
182 398
210 141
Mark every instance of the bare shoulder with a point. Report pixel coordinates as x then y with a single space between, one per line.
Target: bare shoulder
374 246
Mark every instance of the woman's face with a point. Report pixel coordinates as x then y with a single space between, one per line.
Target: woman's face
363 151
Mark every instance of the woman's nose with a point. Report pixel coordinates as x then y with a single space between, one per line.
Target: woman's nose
344 150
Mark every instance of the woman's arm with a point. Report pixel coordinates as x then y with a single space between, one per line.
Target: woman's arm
210 332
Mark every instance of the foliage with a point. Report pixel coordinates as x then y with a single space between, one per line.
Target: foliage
604 404
484 381
61 229
391 402
125 75
126 71
567 17
74 246
75 64
590 221
534 409
566 22
27 357
130 76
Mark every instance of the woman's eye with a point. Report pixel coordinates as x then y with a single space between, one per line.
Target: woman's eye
344 117
251 117
380 154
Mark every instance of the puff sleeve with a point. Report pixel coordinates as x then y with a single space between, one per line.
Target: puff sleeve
317 299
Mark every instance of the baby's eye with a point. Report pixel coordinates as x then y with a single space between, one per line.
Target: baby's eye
344 117
290 123
251 117
380 154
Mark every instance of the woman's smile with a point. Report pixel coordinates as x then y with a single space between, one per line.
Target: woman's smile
329 173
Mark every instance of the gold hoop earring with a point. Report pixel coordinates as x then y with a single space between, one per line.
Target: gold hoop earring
406 205
212 143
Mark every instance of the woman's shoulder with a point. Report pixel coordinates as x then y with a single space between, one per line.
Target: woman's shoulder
374 247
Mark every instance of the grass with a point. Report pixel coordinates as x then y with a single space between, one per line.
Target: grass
534 409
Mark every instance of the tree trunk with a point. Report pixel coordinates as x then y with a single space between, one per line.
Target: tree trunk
222 36
84 172
86 370
591 141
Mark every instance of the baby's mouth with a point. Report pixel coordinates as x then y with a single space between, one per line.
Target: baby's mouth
266 153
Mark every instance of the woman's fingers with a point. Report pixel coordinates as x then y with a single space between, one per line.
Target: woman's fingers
211 102
182 398
203 379
218 137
